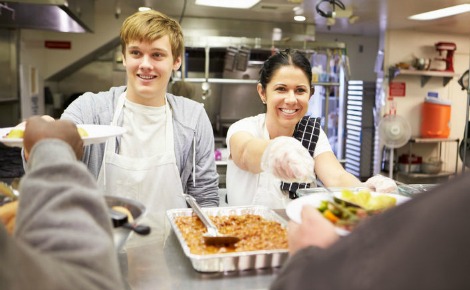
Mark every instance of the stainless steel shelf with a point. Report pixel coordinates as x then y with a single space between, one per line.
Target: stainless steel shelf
240 81
438 141
424 74
432 140
425 175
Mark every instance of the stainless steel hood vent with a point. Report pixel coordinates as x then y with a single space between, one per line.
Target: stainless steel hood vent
57 15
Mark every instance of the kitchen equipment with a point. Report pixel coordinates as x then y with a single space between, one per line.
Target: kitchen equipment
212 237
448 48
420 63
232 261
395 132
7 193
409 163
137 209
120 219
205 86
463 81
431 167
435 118
386 155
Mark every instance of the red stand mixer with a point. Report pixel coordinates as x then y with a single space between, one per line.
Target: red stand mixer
449 48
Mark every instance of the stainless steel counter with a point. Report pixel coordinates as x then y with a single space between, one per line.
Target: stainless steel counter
161 264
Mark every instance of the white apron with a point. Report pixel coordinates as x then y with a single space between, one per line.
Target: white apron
268 191
154 181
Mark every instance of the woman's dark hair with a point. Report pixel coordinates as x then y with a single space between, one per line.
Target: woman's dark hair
283 58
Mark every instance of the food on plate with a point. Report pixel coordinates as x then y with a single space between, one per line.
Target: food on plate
125 211
341 215
82 132
345 213
15 133
255 233
19 133
368 201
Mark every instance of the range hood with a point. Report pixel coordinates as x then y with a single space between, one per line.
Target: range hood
57 15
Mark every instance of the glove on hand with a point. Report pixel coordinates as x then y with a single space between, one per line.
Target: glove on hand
288 160
381 184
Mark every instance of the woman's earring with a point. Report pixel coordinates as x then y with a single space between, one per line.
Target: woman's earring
264 101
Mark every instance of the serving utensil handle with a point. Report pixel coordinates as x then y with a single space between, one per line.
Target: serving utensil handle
211 228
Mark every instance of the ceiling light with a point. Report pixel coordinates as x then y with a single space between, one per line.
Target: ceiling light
299 18
241 4
445 12
144 8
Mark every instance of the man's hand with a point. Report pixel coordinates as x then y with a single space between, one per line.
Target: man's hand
314 230
38 129
8 215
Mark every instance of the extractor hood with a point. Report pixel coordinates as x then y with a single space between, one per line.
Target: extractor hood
57 15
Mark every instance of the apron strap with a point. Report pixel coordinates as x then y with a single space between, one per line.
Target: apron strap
307 131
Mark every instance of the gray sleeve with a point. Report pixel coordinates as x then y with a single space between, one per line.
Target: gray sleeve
96 109
421 244
63 234
206 190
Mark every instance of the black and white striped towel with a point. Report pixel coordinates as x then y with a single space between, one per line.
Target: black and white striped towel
307 132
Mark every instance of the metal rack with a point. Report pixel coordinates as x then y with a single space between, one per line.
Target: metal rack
438 141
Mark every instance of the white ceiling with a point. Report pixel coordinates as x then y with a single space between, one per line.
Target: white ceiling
372 14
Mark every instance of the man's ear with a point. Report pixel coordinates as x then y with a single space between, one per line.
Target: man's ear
177 63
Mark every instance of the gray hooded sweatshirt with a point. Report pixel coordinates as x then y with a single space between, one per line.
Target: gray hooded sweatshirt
193 139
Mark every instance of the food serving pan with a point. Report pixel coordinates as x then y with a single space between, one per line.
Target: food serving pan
232 261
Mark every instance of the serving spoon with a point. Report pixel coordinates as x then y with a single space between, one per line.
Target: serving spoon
212 236
120 219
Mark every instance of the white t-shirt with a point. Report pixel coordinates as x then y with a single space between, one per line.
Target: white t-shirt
146 130
246 188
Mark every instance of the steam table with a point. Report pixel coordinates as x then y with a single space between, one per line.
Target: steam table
163 265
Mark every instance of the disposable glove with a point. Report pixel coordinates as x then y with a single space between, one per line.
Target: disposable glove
288 160
382 184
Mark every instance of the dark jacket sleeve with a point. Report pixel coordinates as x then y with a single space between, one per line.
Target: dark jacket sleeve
63 234
422 244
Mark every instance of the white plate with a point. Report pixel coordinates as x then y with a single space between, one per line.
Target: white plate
96 134
399 198
294 208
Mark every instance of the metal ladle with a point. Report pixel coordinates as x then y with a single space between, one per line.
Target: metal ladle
206 88
212 236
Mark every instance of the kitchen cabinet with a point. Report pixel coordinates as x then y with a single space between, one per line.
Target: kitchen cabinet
412 177
424 74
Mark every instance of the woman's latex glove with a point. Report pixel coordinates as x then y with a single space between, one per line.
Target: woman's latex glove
382 184
288 160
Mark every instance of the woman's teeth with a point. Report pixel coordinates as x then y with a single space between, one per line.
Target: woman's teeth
288 111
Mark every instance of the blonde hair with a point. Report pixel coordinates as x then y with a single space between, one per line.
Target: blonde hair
150 25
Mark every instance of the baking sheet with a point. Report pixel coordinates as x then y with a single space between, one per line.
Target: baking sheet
233 261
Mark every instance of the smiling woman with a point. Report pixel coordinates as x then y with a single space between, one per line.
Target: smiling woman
275 153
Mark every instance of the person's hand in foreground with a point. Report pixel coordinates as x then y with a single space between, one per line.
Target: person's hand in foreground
8 215
314 230
288 160
37 128
382 184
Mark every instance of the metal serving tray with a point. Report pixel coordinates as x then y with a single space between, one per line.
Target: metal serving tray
233 261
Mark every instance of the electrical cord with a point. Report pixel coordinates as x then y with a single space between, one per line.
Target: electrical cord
333 3
183 12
